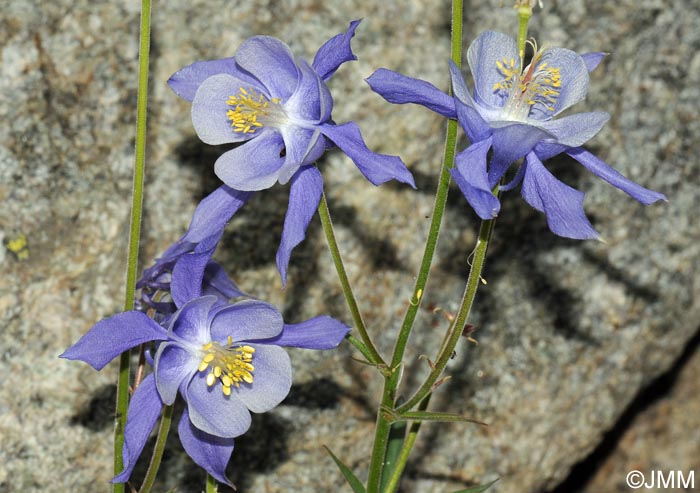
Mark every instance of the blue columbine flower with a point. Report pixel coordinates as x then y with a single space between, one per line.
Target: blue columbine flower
279 108
512 113
225 360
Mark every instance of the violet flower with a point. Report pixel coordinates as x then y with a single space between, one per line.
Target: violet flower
512 112
225 360
279 108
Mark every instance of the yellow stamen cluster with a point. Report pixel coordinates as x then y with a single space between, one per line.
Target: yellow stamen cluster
248 107
229 365
537 83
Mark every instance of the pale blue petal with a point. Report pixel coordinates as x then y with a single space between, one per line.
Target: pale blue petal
191 321
574 77
209 109
144 410
187 80
596 166
213 412
270 61
401 89
173 366
110 337
209 452
490 47
562 204
299 142
254 165
311 101
304 197
335 52
246 320
577 129
272 379
322 332
377 168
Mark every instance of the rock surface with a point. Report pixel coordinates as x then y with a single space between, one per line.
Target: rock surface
569 332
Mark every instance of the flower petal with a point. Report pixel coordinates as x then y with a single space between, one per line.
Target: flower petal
377 168
173 366
217 283
188 272
490 47
246 320
322 332
254 165
191 321
213 212
304 196
209 452
562 204
596 166
299 143
592 60
471 177
512 141
213 412
270 61
187 80
311 101
272 379
401 89
471 120
144 409
574 76
334 52
209 108
575 130
110 337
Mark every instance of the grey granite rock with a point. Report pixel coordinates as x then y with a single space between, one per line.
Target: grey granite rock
568 331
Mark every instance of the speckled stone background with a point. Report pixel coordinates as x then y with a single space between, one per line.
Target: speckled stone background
572 335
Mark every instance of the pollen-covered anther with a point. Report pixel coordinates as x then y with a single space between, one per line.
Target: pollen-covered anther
230 365
252 110
537 84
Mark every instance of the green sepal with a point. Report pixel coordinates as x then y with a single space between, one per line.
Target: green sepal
477 489
431 416
352 480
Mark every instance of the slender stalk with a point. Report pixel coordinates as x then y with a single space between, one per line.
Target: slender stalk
211 485
163 430
392 380
439 206
134 234
371 351
460 320
402 459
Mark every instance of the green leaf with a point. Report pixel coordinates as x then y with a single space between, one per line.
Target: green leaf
352 480
477 489
397 434
430 416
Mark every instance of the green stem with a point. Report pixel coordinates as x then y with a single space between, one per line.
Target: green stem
440 202
211 485
371 352
405 452
134 233
460 320
163 430
381 436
